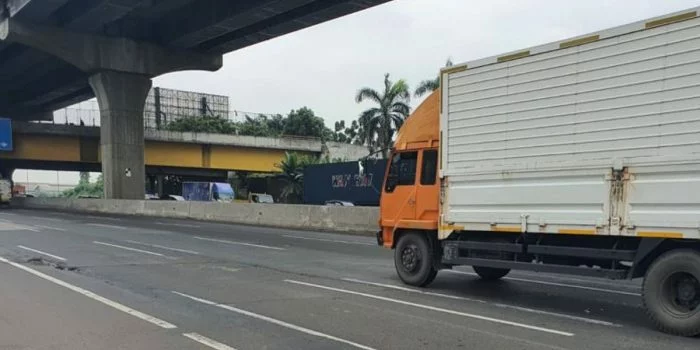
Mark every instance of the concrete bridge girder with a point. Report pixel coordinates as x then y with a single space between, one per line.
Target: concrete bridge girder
120 72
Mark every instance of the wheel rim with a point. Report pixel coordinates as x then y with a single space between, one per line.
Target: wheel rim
681 294
411 258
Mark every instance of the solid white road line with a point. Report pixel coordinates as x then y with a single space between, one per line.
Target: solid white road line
42 253
239 243
505 306
328 240
274 321
433 308
128 248
163 247
107 226
50 228
148 318
613 291
176 224
208 342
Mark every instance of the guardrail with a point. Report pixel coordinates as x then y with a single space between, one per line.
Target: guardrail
357 220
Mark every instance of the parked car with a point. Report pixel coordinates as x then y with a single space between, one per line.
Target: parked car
260 198
339 203
172 197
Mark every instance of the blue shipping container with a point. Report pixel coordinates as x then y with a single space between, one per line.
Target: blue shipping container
5 134
341 181
196 191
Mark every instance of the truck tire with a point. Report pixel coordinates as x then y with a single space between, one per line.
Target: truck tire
671 292
490 273
413 259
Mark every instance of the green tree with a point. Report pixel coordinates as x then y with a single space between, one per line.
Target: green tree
256 126
381 122
303 122
202 123
292 168
430 85
84 177
86 189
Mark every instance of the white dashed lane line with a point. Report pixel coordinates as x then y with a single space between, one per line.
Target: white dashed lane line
554 284
274 321
41 252
437 309
500 305
238 243
163 247
128 248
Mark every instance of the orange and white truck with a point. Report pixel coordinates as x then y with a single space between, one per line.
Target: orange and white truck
577 157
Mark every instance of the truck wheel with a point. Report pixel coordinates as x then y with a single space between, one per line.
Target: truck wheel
413 259
490 273
671 292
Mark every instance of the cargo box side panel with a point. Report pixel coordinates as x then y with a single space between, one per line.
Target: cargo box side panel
662 201
621 102
552 201
624 98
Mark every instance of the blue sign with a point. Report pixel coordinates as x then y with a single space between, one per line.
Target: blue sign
5 134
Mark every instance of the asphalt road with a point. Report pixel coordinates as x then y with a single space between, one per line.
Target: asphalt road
70 281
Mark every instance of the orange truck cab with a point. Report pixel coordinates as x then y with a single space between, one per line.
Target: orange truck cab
410 196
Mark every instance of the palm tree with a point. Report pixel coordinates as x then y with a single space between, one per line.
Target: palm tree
430 85
379 123
292 168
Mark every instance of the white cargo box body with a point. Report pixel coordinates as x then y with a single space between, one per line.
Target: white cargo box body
595 135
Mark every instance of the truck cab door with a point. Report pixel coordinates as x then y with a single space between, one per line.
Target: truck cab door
398 200
428 189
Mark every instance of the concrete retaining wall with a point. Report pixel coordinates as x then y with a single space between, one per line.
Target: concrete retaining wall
361 220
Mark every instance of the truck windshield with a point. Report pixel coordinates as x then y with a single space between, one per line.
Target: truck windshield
402 170
223 192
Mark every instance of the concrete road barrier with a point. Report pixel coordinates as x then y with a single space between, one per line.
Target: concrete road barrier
359 220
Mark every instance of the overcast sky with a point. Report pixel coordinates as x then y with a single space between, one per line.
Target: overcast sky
323 66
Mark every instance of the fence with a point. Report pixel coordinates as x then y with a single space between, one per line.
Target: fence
162 106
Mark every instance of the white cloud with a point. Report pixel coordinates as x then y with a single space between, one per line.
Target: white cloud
322 67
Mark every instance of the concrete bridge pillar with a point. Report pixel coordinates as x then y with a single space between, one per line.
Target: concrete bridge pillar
121 97
120 71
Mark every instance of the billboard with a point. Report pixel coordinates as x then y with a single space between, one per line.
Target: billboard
342 181
5 134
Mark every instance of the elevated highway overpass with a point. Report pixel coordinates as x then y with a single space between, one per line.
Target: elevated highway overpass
54 53
76 148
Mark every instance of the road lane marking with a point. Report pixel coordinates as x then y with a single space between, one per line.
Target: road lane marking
163 247
207 341
50 228
238 243
274 321
505 306
225 268
6 225
438 309
42 253
101 218
128 248
554 284
107 226
328 240
50 219
148 318
176 224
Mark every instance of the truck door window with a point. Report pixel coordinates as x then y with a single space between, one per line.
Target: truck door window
402 170
429 168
